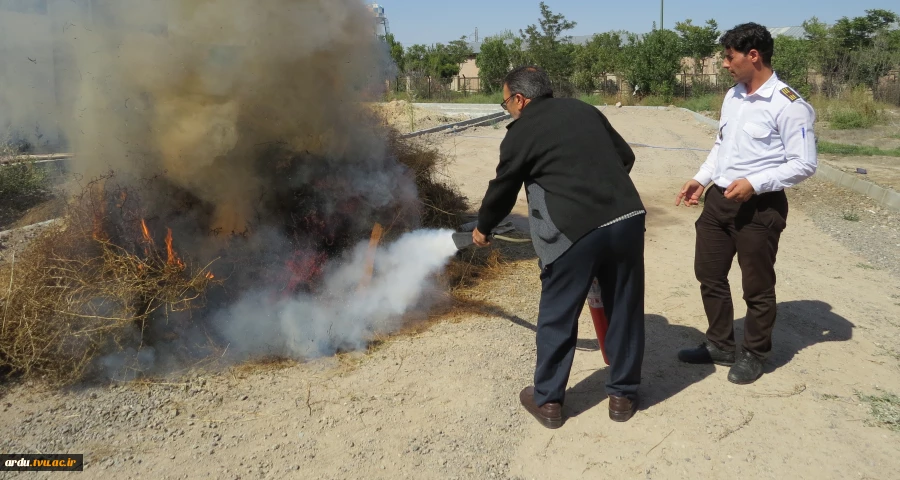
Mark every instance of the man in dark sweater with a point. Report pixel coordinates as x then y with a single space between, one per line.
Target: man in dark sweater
586 221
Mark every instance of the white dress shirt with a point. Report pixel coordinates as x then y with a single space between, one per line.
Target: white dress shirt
766 137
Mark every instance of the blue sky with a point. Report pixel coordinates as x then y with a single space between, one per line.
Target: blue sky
430 21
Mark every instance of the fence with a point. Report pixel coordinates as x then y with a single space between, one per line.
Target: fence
422 87
698 84
687 85
426 87
888 89
465 85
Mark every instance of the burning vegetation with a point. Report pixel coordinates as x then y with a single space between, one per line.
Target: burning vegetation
245 193
110 279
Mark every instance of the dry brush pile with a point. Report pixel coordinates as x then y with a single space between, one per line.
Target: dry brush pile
77 289
102 279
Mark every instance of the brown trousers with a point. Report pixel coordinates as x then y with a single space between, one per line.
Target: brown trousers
752 230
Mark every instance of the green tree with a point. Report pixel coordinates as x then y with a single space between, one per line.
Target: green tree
791 62
652 61
860 32
869 40
395 50
825 55
582 62
606 51
875 61
548 47
518 54
444 61
459 51
858 50
698 42
415 59
601 55
494 61
439 60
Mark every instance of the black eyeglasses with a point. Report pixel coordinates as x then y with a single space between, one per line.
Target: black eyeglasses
503 105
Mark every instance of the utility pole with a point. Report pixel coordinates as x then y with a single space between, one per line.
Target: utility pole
661 9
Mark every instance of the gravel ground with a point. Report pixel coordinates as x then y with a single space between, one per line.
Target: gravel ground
442 403
855 220
387 413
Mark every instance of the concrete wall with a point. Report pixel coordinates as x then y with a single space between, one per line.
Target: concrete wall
468 69
467 78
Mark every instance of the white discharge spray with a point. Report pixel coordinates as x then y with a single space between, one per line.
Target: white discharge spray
343 316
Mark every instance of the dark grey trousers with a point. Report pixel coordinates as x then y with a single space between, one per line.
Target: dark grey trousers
615 256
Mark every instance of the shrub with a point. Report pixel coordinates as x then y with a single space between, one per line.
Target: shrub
848 110
19 178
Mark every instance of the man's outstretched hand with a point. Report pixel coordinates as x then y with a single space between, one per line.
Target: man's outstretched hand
690 193
480 239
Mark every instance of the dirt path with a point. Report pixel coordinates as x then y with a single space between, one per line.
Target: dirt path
443 403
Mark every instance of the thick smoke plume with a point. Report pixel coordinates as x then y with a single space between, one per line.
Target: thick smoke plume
198 88
240 126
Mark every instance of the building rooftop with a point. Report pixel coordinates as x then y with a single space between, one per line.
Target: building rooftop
796 32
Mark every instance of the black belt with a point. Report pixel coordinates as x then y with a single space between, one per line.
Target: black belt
722 191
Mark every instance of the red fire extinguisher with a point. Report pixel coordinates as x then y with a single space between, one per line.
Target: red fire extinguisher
598 315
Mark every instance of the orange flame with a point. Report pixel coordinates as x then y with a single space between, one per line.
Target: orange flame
146 232
210 276
172 257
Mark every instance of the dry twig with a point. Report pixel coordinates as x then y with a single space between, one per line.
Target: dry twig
744 423
660 442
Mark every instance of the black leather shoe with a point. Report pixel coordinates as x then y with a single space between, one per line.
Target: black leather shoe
707 353
746 370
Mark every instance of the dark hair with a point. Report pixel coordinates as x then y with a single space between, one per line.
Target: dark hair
750 36
530 81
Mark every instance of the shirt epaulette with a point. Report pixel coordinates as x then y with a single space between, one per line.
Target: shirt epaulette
790 94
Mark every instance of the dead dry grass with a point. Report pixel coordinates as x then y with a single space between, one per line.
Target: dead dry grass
46 210
443 206
74 294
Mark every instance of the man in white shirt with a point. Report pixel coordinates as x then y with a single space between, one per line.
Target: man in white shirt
765 144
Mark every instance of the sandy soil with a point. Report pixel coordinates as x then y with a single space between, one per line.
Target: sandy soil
443 403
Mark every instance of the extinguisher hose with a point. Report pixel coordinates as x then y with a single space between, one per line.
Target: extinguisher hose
511 240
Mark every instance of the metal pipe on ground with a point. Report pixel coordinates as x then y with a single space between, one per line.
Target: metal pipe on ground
50 157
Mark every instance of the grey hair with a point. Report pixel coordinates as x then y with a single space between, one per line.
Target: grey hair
529 81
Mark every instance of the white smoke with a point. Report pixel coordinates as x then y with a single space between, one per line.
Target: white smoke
344 315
